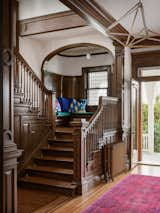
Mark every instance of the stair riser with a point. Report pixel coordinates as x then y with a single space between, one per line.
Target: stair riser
64 135
63 177
66 165
57 153
69 192
61 144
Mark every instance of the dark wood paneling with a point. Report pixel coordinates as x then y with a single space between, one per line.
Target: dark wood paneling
73 86
50 23
117 77
144 59
30 133
118 158
8 149
66 86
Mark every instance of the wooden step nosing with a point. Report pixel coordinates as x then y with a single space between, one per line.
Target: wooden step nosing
50 159
58 149
49 171
42 182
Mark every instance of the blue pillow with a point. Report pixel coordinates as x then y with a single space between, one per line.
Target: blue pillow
65 103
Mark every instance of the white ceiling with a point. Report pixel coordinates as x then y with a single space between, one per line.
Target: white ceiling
118 8
35 8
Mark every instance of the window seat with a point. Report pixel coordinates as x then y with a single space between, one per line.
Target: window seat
74 114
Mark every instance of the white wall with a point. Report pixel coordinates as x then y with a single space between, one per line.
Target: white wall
73 65
35 50
34 8
96 38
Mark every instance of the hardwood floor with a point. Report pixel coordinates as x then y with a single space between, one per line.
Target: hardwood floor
78 204
29 200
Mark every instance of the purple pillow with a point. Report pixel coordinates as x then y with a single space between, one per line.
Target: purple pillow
58 106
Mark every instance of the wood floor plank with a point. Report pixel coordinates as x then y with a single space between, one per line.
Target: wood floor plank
78 204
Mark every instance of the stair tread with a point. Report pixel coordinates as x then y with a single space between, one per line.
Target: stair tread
49 182
64 130
65 149
56 158
51 169
61 139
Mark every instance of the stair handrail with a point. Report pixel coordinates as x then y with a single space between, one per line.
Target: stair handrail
35 93
89 128
21 58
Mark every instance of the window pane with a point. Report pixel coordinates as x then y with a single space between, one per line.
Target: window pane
93 95
97 79
149 71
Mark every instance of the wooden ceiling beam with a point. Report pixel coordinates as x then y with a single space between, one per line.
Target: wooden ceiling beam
50 23
96 16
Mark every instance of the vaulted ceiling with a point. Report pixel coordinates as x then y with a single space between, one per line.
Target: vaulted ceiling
118 8
131 23
113 18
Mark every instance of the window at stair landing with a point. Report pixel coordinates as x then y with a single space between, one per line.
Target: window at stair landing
96 83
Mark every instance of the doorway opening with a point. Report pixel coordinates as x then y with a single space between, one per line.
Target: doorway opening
150 123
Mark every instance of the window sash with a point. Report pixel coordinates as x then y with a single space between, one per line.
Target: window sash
96 79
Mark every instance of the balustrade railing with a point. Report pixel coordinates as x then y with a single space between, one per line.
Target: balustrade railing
145 145
105 118
30 88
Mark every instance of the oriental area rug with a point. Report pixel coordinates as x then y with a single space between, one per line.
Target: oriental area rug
134 194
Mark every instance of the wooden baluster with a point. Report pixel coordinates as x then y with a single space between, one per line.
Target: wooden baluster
94 139
15 73
43 103
45 99
90 145
92 149
87 150
32 92
21 71
37 97
24 83
29 86
47 113
18 77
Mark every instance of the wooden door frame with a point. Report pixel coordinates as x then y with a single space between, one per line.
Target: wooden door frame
138 123
140 80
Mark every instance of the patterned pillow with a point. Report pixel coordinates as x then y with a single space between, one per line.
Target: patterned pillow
83 103
77 105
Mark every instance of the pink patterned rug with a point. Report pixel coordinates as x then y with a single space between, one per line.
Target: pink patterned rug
134 194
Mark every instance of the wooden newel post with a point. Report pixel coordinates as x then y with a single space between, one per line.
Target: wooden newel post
8 149
10 173
51 108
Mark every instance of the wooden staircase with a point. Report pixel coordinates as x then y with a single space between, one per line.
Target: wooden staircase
54 168
58 154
